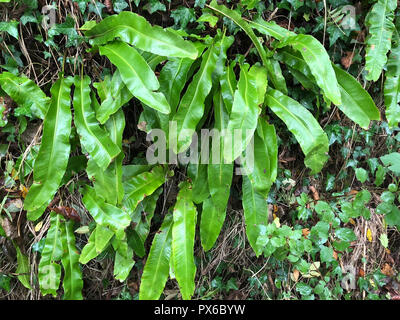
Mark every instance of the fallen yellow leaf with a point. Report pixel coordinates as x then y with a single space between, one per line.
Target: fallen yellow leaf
14 174
277 223
23 190
369 235
39 226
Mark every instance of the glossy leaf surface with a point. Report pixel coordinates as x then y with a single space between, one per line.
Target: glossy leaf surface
156 269
52 159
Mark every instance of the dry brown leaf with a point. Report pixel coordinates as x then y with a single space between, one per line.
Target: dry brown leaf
351 220
296 274
347 60
305 232
14 204
314 193
387 270
361 273
9 228
67 212
352 192
23 191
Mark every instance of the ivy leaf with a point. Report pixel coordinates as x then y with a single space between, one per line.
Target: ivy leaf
361 174
182 16
345 234
67 28
303 289
96 7
153 6
392 161
11 27
326 254
119 5
28 17
207 17
200 3
384 240
393 217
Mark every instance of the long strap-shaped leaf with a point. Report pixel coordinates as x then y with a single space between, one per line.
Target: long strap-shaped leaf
357 104
26 94
265 158
136 30
49 272
271 29
392 87
255 209
72 282
94 139
191 107
104 213
296 64
228 84
219 182
53 155
136 74
197 172
312 139
156 269
183 233
115 95
115 126
103 236
108 182
313 53
380 24
248 97
89 251
236 18
23 268
142 185
123 259
220 173
141 230
212 219
173 77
